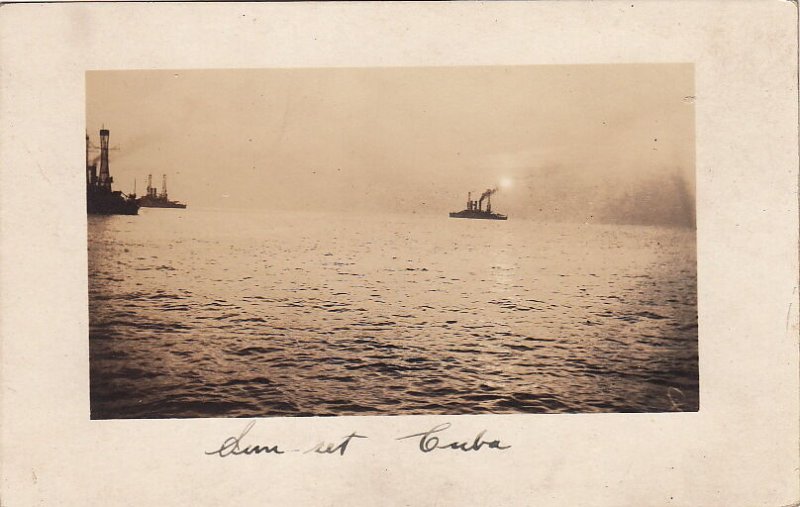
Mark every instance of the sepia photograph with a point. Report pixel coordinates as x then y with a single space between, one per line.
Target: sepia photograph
399 253
392 241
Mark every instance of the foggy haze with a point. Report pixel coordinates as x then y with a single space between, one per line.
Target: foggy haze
605 143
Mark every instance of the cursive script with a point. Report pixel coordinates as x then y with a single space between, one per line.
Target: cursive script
429 441
326 448
232 446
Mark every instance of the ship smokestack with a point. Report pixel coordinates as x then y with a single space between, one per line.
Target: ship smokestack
486 195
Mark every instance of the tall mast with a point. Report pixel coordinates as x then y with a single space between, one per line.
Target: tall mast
88 174
164 185
105 176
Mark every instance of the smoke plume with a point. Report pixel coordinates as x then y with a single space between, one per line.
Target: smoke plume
485 195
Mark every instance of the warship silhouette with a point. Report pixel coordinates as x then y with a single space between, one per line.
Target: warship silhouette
154 200
475 208
101 199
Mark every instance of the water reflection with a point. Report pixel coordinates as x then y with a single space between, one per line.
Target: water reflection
204 314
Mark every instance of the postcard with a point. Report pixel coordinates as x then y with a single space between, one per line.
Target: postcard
505 253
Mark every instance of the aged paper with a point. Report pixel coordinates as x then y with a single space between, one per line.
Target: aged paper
66 438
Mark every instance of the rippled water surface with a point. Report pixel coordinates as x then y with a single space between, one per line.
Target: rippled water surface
197 313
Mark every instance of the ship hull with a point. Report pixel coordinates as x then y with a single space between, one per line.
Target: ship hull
110 203
478 215
170 205
144 202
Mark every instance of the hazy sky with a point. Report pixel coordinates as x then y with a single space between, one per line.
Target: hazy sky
599 142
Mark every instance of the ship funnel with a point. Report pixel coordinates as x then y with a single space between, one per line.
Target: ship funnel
486 195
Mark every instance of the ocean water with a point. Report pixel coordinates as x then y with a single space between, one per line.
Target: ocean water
204 313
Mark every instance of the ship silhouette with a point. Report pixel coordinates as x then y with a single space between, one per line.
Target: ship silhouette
152 199
475 208
101 199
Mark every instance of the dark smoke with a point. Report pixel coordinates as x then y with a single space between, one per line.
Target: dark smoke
486 194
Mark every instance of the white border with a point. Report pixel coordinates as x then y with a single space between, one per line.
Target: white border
740 449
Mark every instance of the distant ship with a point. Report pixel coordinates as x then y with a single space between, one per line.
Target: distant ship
155 200
475 208
100 198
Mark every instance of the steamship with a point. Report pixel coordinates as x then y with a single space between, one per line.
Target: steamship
100 198
152 199
475 208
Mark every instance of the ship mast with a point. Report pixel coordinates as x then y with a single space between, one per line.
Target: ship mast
151 192
89 179
164 186
105 175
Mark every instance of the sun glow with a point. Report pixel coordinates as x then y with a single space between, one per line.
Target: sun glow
506 183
